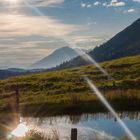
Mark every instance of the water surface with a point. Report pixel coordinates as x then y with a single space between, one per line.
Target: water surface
88 125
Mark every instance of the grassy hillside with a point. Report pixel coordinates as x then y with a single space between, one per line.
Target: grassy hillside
60 91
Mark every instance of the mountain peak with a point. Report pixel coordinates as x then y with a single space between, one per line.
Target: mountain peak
63 49
56 58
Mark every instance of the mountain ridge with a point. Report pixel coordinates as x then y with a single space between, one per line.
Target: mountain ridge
125 43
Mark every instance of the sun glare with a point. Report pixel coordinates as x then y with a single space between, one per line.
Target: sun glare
20 131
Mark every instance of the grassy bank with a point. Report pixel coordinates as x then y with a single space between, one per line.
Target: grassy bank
66 91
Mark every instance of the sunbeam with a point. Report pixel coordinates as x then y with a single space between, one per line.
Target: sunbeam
87 58
109 107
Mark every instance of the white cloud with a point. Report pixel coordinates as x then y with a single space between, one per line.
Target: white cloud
21 25
86 38
19 50
22 56
97 3
132 10
83 5
37 3
137 1
86 41
91 23
88 5
45 3
116 3
104 4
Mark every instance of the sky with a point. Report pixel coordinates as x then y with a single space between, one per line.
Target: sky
32 29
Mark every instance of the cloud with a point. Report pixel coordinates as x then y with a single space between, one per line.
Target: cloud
19 49
131 10
42 3
137 1
86 38
116 3
112 3
89 5
83 5
104 4
86 42
22 25
45 3
97 3
23 35
21 55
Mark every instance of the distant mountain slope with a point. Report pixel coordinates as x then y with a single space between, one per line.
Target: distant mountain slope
11 72
125 43
56 58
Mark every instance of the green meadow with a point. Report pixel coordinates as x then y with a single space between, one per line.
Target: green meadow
66 91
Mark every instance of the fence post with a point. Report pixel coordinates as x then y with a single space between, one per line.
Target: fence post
17 119
17 98
74 134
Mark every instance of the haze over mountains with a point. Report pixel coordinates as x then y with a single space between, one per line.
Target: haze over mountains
10 72
7 64
56 58
125 43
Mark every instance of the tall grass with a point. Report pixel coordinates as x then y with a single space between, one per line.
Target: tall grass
35 135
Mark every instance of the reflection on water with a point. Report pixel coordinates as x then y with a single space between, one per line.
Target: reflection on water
87 124
101 125
8 122
20 130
